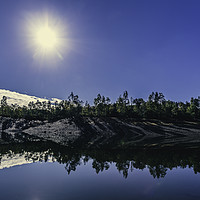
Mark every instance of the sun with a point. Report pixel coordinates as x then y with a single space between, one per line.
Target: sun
46 38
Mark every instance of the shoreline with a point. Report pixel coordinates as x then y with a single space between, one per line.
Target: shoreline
101 133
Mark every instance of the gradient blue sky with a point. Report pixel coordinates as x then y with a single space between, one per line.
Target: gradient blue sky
135 45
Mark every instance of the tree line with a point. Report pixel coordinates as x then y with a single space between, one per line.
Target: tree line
155 107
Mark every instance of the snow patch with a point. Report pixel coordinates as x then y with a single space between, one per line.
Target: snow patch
22 99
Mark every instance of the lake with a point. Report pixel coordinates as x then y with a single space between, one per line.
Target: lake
41 171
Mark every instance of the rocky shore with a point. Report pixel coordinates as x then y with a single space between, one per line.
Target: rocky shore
109 133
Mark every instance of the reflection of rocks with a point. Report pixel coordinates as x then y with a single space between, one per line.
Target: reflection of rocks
101 132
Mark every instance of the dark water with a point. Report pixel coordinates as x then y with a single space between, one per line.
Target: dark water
45 172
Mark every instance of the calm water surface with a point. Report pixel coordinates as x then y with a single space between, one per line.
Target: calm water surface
43 173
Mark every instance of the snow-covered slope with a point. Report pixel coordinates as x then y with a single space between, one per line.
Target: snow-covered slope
22 99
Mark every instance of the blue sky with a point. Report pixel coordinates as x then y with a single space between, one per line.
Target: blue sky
140 46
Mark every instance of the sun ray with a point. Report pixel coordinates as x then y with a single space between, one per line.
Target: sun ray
47 37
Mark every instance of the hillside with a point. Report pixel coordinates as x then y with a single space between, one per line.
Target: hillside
108 133
22 99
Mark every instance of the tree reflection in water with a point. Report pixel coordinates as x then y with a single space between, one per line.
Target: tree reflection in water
157 161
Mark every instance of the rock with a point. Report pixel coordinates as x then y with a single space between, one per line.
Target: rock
61 132
93 132
12 130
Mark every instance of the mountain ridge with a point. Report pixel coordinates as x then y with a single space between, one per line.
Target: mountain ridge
22 99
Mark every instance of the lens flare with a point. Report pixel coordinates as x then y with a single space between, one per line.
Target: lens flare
47 37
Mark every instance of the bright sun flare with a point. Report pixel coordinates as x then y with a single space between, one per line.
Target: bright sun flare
46 38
